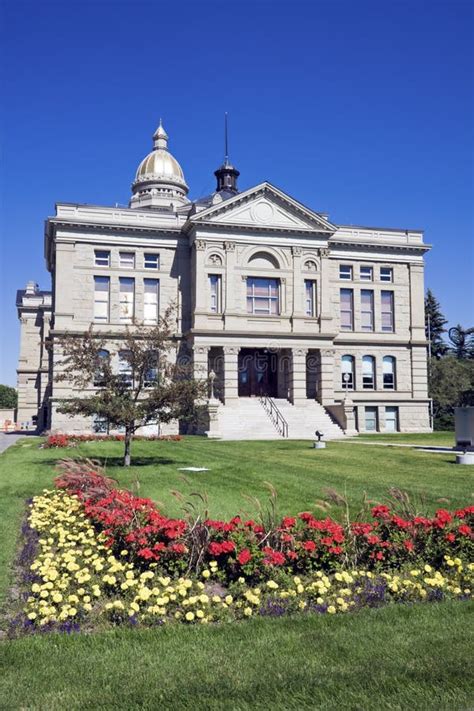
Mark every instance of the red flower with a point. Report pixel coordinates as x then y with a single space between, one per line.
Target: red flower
273 557
337 550
409 545
380 511
465 530
373 540
288 522
179 548
309 546
450 537
244 556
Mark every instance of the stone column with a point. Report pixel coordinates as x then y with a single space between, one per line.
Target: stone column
200 362
325 306
229 296
349 416
298 375
231 373
326 376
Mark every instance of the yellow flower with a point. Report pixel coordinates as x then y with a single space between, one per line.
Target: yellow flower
228 599
331 609
272 585
248 611
189 616
206 574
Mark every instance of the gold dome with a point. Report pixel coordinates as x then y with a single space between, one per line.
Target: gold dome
160 165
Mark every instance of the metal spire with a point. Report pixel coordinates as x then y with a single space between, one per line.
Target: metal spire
226 155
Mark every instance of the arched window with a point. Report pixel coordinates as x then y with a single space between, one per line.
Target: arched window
102 362
368 372
389 373
263 260
347 372
125 368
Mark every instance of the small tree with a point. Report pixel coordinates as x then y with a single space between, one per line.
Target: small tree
8 397
451 385
435 325
142 387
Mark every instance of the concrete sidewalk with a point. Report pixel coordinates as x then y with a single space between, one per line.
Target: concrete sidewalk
7 439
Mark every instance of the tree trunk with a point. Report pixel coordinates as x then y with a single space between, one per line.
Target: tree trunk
127 453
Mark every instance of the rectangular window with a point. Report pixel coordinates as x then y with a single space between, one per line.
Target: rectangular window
101 258
389 373
367 309
215 293
366 274
391 419
151 374
127 260
127 299
151 261
100 425
386 274
345 272
150 301
101 298
125 368
347 310
388 320
371 419
263 296
310 298
368 372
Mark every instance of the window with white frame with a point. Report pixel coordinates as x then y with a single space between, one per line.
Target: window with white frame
367 309
125 368
388 319
371 419
151 261
151 296
389 373
366 273
100 424
127 299
345 272
368 372
391 419
263 296
151 373
101 258
101 298
310 298
348 372
102 360
386 274
127 260
347 310
215 293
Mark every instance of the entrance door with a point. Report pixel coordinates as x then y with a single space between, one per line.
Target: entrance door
257 372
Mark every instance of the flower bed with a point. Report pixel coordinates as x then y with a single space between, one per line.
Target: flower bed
105 555
80 580
57 441
297 544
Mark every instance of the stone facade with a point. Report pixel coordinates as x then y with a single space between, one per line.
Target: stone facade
273 298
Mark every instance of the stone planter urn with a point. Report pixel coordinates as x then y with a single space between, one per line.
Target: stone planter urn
465 458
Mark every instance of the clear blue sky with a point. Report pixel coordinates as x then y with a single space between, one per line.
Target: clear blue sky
361 109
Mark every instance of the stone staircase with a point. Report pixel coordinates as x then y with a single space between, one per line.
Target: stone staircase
248 419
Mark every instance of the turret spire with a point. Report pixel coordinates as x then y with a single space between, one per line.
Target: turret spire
226 175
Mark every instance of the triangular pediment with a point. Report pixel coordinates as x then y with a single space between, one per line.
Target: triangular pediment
264 207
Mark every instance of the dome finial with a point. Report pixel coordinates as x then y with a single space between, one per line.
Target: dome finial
160 138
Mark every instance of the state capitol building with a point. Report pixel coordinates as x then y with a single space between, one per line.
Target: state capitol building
302 323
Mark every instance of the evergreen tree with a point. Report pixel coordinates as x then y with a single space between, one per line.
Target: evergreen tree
462 342
435 325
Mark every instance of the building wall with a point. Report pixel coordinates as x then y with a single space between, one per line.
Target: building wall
189 256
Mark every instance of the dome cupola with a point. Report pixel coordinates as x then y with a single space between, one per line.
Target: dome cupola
159 181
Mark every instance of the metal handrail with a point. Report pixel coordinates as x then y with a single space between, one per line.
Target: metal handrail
275 415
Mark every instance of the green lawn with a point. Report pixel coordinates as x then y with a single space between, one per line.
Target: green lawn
393 658
435 439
